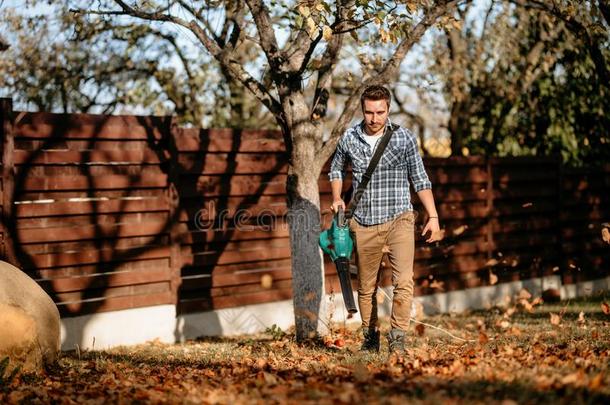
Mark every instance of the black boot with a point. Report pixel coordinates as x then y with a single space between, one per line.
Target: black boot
371 340
396 341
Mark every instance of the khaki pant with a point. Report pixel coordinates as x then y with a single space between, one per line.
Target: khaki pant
399 236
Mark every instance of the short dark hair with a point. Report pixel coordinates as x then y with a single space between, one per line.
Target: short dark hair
375 92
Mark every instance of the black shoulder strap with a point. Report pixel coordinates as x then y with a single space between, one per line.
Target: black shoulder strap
366 177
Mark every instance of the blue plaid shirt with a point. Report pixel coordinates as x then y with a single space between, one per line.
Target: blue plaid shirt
387 194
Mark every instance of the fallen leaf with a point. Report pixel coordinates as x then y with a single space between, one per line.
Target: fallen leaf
491 263
524 294
483 338
526 305
605 308
555 319
515 331
493 279
573 378
581 317
504 324
420 329
267 378
596 382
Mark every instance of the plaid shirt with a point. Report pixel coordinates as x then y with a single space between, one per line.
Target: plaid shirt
387 194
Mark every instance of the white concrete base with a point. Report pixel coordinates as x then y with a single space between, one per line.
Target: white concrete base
126 327
585 288
133 326
235 321
484 297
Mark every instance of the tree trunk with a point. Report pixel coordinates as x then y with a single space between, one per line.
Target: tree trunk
456 129
304 230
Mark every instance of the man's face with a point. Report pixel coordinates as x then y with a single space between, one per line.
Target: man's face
375 115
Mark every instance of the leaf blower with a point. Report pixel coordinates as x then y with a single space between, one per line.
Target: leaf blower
337 242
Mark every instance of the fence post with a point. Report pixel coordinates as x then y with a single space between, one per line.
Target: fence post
6 122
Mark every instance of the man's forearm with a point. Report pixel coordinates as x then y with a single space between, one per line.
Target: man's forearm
336 187
427 199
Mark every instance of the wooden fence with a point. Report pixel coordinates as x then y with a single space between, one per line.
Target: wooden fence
116 212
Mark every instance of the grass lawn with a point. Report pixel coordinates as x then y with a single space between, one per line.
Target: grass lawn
556 353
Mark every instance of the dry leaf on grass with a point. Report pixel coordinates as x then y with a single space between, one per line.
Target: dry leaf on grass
555 319
605 308
524 294
597 382
493 279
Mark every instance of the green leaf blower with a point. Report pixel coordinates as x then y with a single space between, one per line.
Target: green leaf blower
337 242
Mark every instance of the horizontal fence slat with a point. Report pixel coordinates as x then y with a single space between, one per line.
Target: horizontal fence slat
105 257
91 231
86 270
224 163
85 126
105 280
114 303
94 157
90 207
83 182
227 140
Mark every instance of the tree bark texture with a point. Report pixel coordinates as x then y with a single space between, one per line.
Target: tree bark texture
304 230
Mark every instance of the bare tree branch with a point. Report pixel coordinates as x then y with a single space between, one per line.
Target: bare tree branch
328 62
264 26
387 73
222 55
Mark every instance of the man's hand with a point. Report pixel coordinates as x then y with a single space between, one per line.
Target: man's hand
433 227
336 204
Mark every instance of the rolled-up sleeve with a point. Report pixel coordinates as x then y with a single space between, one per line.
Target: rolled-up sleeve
417 171
338 163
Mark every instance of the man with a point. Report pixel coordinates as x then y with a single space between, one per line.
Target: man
384 215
